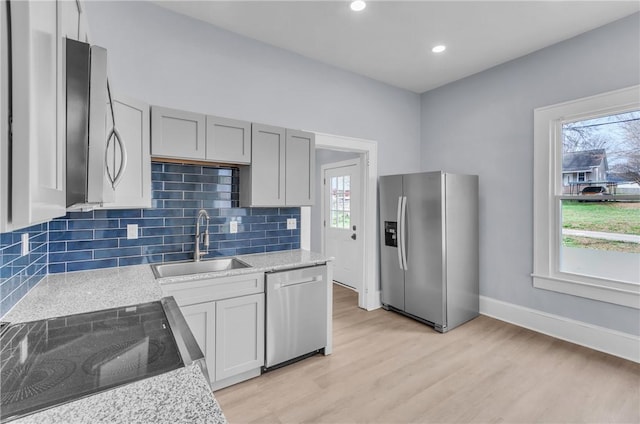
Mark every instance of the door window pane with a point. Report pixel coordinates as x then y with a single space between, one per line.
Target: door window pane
340 202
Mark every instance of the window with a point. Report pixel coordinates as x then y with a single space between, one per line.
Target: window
340 208
587 228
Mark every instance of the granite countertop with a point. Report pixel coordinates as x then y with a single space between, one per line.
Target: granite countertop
260 262
275 261
179 396
86 291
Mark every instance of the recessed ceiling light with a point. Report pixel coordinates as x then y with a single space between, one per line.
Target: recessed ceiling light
358 5
439 49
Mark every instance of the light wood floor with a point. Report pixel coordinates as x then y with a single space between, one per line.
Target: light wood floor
389 369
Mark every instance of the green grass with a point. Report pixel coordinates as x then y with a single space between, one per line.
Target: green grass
608 217
599 244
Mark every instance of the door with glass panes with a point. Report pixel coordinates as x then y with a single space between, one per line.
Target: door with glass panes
342 222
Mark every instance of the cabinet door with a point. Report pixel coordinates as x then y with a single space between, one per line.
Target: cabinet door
177 134
201 319
228 140
239 335
38 146
133 190
4 121
267 165
300 168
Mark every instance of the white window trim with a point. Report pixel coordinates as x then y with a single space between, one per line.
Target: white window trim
547 183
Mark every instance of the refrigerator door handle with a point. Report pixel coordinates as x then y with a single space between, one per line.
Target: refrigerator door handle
402 232
399 231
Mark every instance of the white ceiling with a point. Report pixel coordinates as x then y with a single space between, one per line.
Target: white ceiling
391 41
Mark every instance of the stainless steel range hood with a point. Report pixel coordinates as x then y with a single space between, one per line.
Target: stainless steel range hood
88 185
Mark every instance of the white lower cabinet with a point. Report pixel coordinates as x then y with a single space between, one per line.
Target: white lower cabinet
226 317
201 319
239 335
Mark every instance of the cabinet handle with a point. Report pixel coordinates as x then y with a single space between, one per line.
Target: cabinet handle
115 180
114 134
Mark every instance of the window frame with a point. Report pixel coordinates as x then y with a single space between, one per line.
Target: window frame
547 197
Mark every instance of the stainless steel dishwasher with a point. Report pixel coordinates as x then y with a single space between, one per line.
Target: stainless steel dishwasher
296 323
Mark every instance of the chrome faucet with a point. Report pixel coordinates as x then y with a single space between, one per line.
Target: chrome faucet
197 254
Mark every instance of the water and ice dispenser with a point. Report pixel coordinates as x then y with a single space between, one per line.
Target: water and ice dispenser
391 233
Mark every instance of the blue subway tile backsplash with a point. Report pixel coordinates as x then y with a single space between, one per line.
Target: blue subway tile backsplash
98 239
19 274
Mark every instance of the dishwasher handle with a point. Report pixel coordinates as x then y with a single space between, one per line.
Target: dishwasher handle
297 282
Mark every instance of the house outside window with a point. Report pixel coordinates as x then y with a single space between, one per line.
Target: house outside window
587 197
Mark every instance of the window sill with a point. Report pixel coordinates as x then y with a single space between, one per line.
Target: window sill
624 294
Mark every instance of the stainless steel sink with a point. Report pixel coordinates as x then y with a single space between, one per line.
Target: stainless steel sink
177 269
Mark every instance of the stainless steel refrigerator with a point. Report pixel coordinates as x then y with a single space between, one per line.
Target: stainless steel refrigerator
429 247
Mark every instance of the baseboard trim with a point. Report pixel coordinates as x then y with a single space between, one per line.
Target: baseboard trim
602 339
374 301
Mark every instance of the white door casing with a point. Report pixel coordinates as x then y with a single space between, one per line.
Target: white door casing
341 216
369 297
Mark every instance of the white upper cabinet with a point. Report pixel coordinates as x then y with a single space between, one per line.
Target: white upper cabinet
228 140
4 119
282 168
300 167
262 183
38 103
177 134
129 159
281 162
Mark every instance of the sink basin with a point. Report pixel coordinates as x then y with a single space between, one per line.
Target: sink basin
177 269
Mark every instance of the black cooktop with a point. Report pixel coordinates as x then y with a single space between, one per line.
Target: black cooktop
48 362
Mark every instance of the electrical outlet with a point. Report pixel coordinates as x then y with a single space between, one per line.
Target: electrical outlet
25 244
233 227
291 224
132 231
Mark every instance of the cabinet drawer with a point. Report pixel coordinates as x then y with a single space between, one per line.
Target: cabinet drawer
207 290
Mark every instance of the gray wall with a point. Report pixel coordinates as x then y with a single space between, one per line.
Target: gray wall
484 125
323 156
172 60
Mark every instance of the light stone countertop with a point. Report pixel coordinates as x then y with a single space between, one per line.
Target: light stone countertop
179 396
86 291
260 262
275 261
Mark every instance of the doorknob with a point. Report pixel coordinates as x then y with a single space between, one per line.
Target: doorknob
353 236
